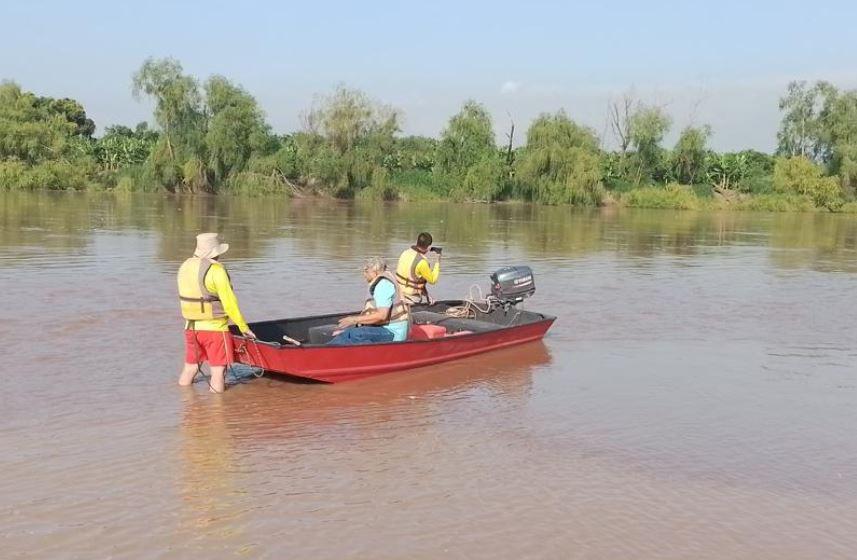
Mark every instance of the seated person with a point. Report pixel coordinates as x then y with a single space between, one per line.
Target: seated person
385 318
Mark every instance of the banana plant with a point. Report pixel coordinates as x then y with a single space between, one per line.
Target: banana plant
727 171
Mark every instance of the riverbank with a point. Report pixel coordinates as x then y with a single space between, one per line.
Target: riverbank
667 197
213 138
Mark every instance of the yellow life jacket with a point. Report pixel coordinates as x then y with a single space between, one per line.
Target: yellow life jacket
399 311
413 286
197 303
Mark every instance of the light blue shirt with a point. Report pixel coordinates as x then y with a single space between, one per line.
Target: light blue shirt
385 293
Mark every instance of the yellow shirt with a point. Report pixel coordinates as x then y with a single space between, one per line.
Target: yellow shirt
217 282
430 275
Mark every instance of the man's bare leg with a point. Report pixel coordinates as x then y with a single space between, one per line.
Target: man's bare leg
218 379
187 374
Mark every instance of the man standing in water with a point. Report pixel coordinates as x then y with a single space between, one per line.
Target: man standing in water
414 271
207 304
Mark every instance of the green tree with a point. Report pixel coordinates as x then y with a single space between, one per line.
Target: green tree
838 123
560 163
70 110
801 129
349 117
29 131
649 125
178 107
40 148
348 138
467 140
689 155
236 128
467 154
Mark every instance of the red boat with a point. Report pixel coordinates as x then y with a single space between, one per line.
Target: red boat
436 336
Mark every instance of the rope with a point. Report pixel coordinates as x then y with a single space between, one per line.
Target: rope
261 361
230 366
257 372
199 372
474 302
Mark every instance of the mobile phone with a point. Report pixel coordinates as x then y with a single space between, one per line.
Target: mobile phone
437 250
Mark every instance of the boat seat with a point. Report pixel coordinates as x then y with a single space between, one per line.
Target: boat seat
321 334
427 317
440 327
455 324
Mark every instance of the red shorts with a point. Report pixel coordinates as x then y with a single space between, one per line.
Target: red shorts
214 347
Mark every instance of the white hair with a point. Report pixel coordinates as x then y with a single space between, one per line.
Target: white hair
375 264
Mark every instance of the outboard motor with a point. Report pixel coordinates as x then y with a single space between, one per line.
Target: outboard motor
512 285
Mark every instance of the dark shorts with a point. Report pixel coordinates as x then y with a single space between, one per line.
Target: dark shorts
362 335
214 347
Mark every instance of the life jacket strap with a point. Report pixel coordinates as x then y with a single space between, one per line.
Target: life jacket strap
409 283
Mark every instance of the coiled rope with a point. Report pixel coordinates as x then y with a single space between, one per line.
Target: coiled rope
475 301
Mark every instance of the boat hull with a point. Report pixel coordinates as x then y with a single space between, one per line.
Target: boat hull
334 364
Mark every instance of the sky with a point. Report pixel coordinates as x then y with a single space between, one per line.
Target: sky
720 63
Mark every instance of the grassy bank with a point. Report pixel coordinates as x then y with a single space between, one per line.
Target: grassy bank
681 197
411 186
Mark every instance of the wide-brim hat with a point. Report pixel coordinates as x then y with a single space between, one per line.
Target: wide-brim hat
208 246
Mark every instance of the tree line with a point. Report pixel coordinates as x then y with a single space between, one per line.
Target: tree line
212 136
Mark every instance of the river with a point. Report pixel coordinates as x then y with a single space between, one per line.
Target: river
696 398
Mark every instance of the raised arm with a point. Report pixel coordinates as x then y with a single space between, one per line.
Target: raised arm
430 274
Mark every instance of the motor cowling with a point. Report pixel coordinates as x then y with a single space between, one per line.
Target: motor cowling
512 284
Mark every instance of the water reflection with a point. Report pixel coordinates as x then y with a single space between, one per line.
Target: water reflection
207 485
55 222
223 435
285 410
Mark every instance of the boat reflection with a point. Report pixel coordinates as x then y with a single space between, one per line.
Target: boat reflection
504 374
275 408
226 438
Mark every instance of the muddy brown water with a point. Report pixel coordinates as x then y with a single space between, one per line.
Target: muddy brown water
697 397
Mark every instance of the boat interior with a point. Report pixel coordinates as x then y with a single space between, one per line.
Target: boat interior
429 322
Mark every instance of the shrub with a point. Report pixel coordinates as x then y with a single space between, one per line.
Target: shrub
382 187
758 184
51 175
849 208
420 184
799 176
672 196
777 203
195 176
125 184
12 175
255 184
